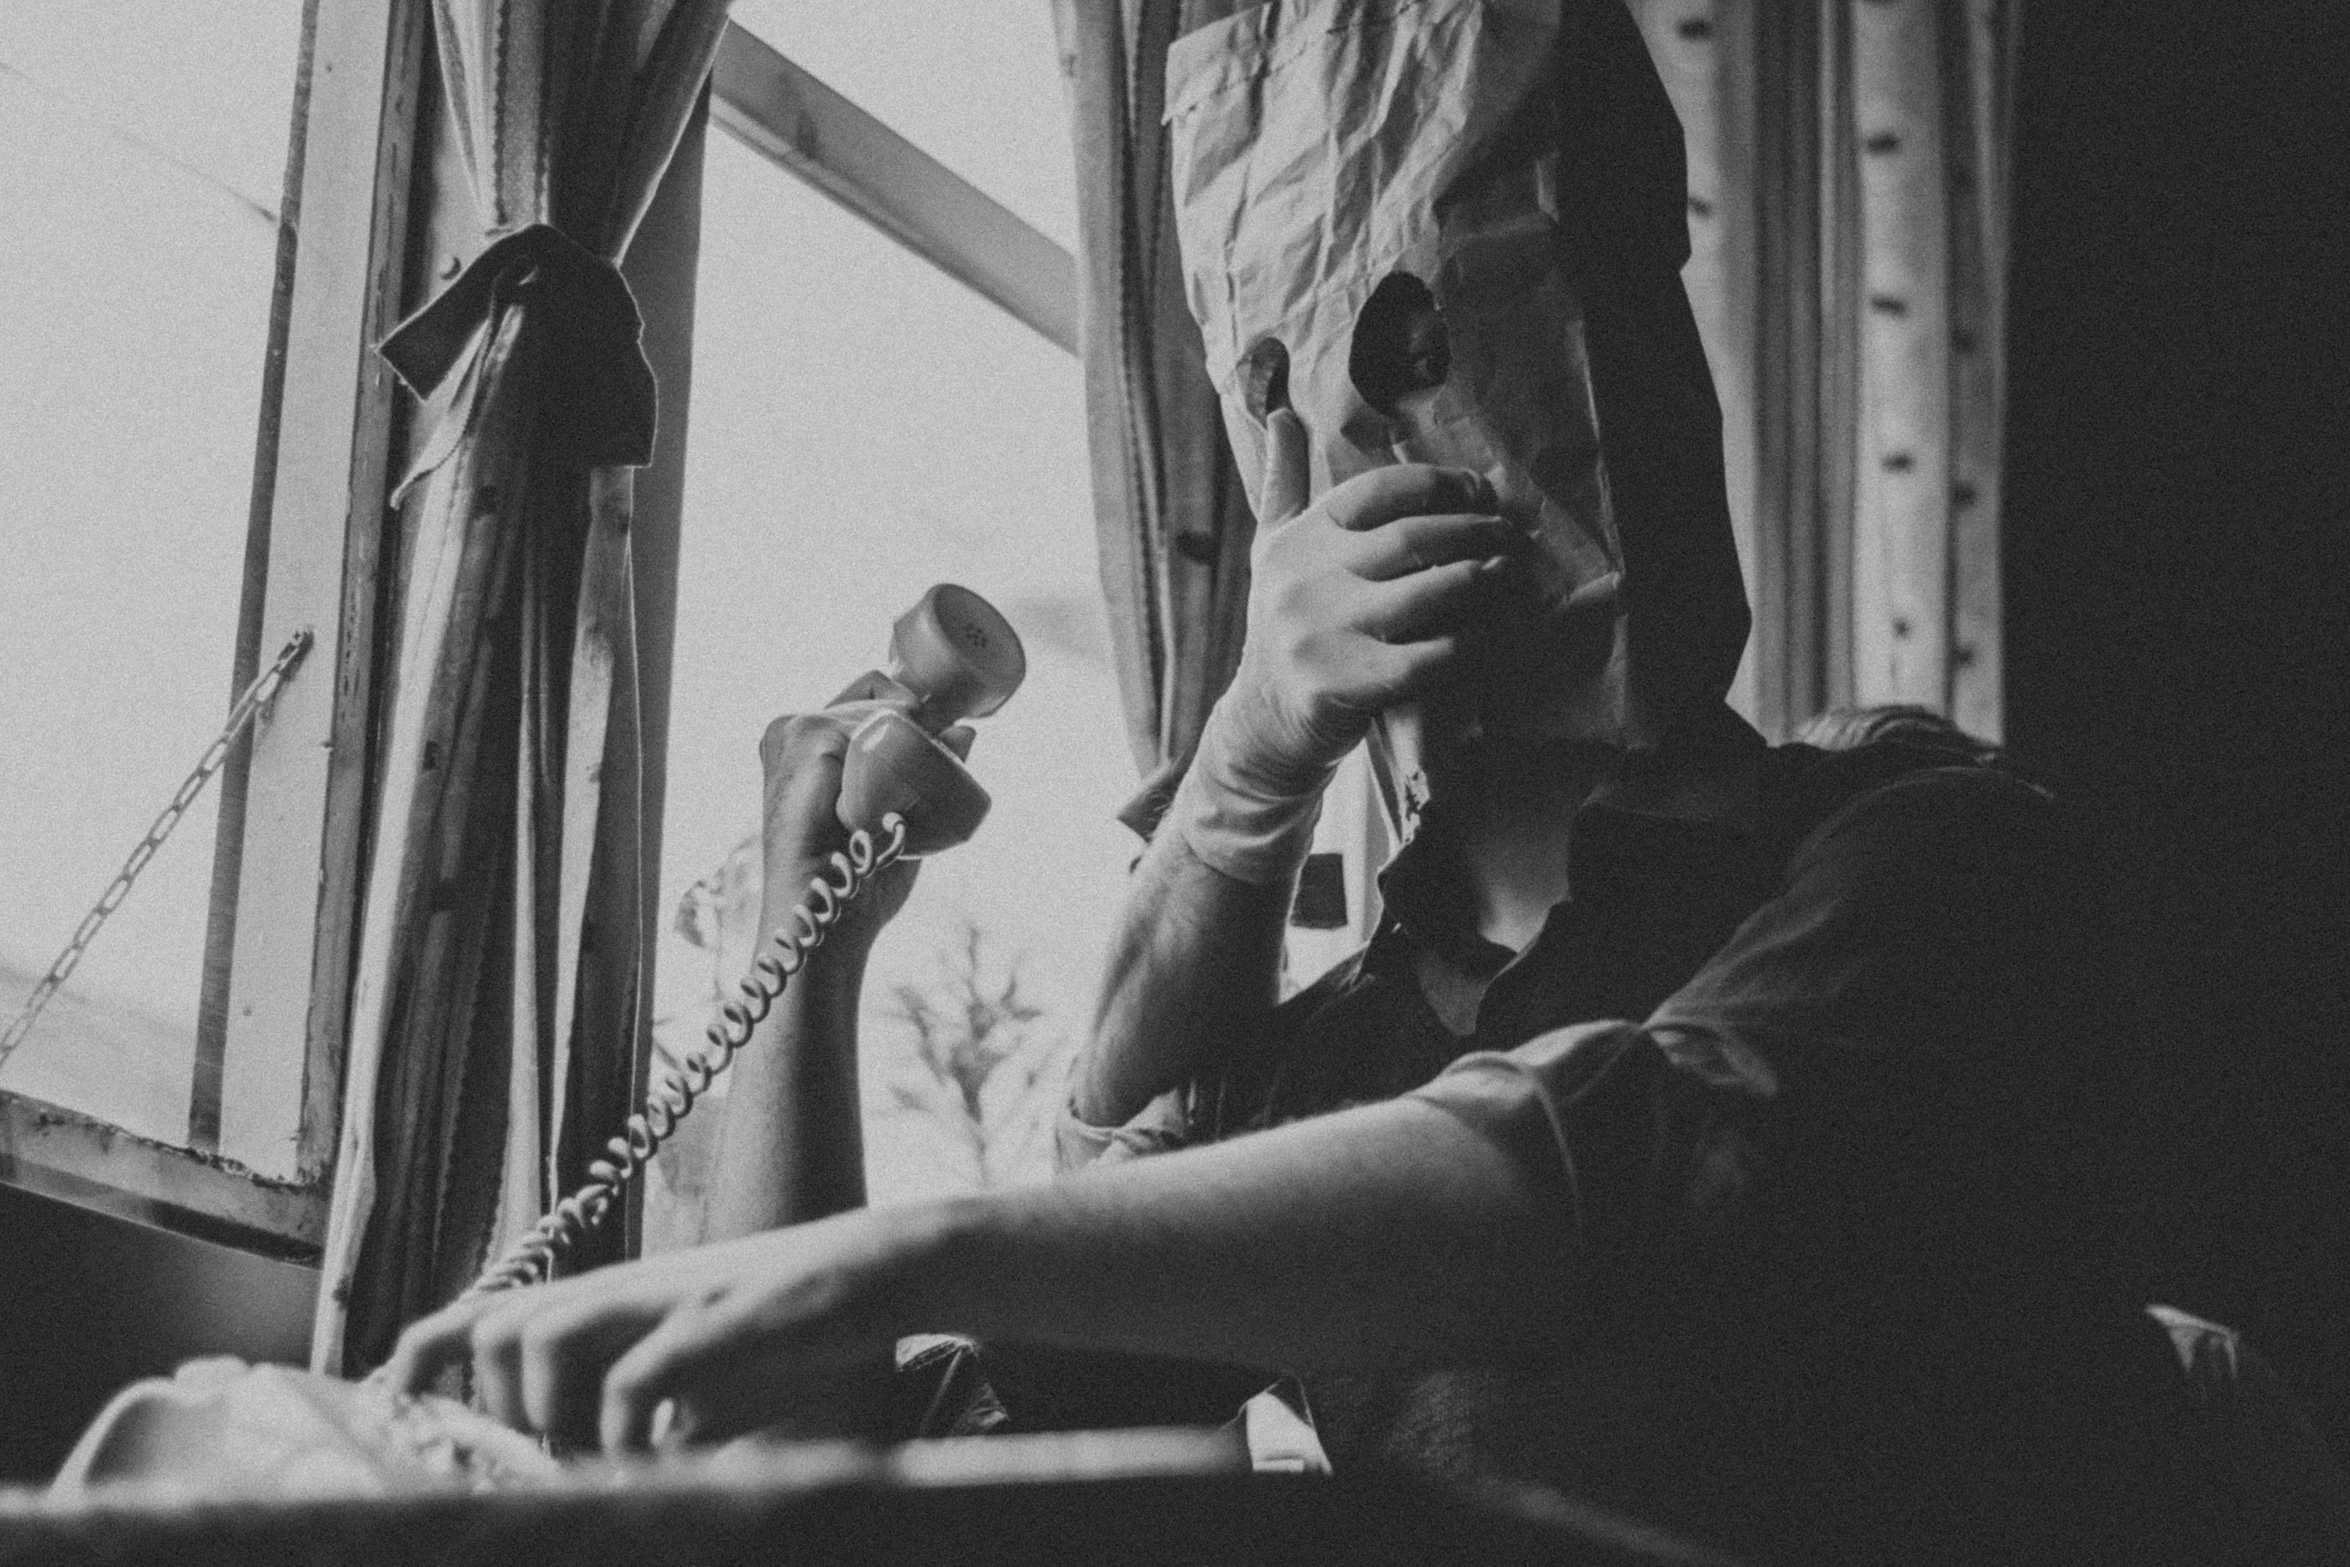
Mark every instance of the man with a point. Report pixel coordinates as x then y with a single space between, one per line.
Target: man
1711 1131
1799 1261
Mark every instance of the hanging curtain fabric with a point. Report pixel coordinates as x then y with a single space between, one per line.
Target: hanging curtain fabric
1171 517
494 1003
1849 186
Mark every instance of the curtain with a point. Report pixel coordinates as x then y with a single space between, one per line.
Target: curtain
494 1005
1849 187
1171 516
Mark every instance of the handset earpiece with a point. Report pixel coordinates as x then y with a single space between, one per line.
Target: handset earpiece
958 654
952 656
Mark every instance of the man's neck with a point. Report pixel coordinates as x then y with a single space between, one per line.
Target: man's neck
1516 834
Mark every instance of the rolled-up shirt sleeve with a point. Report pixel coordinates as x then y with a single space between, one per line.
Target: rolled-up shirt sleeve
1636 1139
1157 1127
1838 1044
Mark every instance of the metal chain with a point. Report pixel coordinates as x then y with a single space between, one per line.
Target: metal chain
257 696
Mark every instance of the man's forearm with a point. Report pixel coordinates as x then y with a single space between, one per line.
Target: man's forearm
1388 1237
792 1144
1193 964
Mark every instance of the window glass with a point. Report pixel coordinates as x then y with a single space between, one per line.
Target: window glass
864 426
976 85
144 148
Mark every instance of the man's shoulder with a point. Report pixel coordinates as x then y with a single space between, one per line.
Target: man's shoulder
1922 911
1888 796
1929 857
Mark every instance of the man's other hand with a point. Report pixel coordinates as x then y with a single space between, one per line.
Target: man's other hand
1359 600
792 1328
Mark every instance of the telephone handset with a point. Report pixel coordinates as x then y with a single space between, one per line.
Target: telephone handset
903 795
951 657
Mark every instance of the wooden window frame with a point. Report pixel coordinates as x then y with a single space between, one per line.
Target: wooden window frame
794 121
317 532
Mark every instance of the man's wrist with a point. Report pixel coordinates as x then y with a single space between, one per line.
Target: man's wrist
785 877
1241 818
788 890
933 1277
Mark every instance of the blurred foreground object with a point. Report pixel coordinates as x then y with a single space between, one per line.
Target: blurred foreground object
265 1464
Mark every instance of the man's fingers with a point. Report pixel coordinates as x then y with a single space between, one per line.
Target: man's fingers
652 1372
497 1366
430 1347
1287 476
564 1350
801 740
1599 599
1439 599
1369 500
1403 671
1411 544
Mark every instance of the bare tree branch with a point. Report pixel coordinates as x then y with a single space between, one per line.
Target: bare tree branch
988 1073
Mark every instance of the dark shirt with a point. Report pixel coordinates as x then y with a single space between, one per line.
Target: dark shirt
1821 1089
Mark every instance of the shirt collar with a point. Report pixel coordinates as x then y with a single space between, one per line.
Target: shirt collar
1708 776
1711 772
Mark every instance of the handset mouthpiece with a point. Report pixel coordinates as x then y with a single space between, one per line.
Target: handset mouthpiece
893 766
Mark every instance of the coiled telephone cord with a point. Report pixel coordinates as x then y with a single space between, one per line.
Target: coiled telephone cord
532 1259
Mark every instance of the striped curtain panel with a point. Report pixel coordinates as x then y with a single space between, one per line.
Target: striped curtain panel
495 1000
1171 517
1849 187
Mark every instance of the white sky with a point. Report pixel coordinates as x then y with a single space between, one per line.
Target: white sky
862 426
974 83
137 140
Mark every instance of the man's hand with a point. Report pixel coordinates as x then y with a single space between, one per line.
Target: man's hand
1365 599
792 1323
1359 601
801 757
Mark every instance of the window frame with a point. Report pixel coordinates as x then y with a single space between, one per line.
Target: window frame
813 133
327 428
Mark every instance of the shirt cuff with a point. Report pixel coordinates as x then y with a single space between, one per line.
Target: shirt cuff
1638 1135
1573 1111
1526 1101
1158 1127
